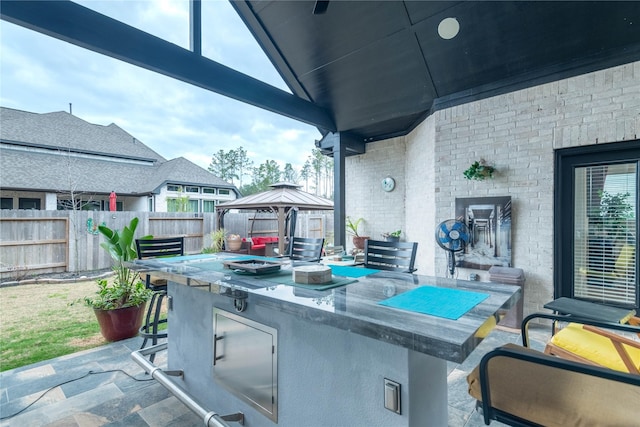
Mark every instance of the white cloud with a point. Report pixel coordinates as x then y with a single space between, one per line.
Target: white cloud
42 74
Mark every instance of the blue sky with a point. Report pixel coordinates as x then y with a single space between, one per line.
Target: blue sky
42 74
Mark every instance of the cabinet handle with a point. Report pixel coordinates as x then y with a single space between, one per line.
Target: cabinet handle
216 338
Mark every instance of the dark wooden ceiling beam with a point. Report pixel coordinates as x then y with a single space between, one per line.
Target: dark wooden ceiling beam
86 28
353 145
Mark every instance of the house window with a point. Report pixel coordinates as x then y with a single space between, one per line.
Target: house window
93 205
191 189
172 187
596 222
28 203
66 205
182 205
6 203
224 191
208 206
207 190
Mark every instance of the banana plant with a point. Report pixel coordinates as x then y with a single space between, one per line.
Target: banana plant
127 288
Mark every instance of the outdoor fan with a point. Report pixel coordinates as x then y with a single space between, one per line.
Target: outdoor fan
452 236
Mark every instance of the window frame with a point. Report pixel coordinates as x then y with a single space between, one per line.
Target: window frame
566 160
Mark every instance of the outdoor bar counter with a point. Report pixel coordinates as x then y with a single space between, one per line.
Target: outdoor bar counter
292 355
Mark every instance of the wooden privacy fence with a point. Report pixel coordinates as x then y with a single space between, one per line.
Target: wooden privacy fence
33 244
36 242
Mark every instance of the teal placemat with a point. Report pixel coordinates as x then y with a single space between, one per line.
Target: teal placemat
246 257
186 258
442 302
348 271
213 265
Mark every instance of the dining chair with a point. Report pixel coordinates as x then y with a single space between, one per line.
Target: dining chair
394 256
156 248
306 249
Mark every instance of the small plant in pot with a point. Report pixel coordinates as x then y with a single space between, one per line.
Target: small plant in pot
119 304
352 228
217 242
393 236
234 242
479 170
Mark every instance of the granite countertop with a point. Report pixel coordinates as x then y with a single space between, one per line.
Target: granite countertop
354 307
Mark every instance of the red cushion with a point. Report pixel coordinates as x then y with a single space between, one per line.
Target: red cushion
259 242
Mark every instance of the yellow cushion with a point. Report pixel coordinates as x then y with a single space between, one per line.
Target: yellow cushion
626 260
594 347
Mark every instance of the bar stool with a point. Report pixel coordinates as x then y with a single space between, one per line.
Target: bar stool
154 248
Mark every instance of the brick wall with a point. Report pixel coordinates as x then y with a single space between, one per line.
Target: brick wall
517 133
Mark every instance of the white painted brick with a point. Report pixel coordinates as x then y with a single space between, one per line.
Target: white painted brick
516 132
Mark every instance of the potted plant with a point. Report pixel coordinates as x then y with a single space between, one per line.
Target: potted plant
352 228
479 170
119 304
217 241
393 236
234 242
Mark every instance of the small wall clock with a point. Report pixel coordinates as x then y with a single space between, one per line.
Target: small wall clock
388 184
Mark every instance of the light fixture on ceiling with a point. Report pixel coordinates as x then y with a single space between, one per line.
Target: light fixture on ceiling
448 28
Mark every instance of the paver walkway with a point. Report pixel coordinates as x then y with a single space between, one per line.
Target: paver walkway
103 395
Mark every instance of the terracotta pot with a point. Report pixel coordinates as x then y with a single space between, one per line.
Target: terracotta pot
121 323
358 241
234 244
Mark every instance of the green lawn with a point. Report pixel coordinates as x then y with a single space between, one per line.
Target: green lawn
38 323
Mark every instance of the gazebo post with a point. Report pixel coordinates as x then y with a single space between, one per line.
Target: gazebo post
281 222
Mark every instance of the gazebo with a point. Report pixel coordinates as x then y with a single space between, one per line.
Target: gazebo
284 200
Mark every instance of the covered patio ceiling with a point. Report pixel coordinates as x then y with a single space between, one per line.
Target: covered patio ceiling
362 71
380 67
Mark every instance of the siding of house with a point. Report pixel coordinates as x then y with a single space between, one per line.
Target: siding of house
517 133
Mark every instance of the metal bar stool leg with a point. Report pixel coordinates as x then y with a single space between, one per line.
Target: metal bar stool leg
150 328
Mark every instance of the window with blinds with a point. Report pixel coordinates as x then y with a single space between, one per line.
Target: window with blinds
604 234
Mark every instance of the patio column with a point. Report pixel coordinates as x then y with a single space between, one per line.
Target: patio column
339 154
338 145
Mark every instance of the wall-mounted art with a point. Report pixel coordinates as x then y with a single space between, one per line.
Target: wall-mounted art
489 223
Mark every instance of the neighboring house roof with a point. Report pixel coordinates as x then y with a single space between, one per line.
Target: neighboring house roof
61 130
88 162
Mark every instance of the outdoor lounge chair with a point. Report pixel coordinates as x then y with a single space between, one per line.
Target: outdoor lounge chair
156 248
592 342
523 387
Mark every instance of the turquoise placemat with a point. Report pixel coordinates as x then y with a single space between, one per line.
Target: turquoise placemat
348 271
186 258
246 257
213 265
442 302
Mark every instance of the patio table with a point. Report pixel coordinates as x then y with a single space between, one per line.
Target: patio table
332 353
590 310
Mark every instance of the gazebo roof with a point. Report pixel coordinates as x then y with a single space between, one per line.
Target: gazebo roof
283 195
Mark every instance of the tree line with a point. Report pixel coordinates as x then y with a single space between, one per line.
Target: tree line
234 166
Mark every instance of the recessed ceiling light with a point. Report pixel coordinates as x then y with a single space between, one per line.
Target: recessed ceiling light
448 28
